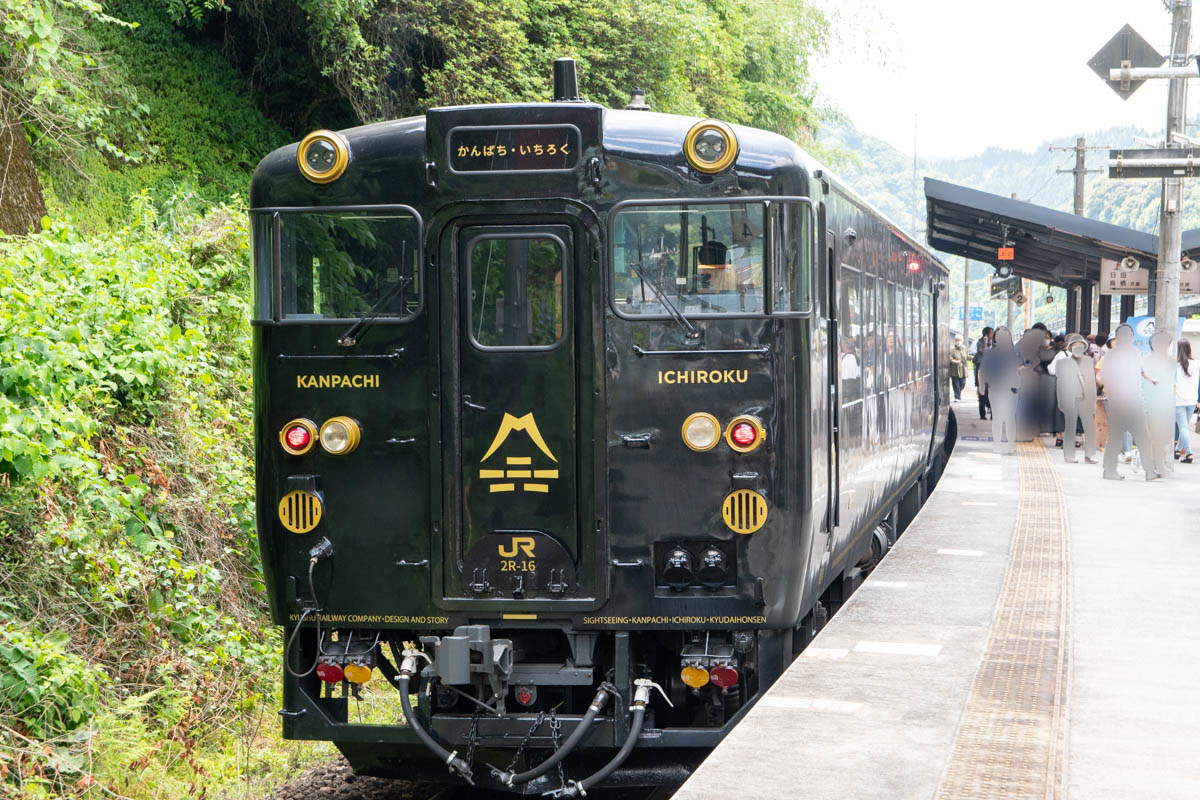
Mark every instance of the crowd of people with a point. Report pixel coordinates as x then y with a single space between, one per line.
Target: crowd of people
1099 387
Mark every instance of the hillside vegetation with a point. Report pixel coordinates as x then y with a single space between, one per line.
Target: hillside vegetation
136 659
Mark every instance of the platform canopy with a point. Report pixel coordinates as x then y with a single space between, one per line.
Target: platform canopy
1047 245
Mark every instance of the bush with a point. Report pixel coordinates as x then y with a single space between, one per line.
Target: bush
126 460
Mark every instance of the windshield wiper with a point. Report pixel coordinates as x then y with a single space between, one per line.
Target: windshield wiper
672 309
355 331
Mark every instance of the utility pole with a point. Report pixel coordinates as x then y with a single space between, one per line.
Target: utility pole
1170 226
1080 171
966 298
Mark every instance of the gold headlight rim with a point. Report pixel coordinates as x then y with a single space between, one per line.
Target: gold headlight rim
308 425
731 148
353 435
341 148
701 415
758 427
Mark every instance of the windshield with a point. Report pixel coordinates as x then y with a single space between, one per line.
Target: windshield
702 259
344 264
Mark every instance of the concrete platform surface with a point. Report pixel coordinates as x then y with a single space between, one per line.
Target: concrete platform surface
1033 633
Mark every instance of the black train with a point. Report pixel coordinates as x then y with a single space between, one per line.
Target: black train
575 423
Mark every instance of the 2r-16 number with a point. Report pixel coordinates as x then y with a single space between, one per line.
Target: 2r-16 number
518 566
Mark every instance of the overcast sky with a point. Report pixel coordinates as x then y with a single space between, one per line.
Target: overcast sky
977 73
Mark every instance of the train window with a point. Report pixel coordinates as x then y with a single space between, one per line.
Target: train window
341 265
698 260
517 290
869 352
792 259
850 336
913 340
927 326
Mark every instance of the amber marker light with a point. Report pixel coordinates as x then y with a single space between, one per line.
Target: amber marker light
340 435
298 436
357 673
745 433
322 156
701 431
693 676
710 146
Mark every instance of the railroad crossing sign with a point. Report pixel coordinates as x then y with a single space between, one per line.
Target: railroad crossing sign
1125 50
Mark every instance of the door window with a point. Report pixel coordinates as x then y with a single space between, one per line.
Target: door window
517 291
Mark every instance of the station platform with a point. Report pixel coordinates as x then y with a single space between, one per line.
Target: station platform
1034 633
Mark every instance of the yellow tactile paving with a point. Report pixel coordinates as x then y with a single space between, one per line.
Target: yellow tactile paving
1011 741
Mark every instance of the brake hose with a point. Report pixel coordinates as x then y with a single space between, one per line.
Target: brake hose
598 702
407 669
640 699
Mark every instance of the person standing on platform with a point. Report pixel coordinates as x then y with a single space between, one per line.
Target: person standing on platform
1001 368
981 346
958 366
1121 375
1187 397
1075 375
1158 370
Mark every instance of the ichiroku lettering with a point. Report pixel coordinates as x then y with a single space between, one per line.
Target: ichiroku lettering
677 376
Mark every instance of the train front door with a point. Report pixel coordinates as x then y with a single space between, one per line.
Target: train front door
510 413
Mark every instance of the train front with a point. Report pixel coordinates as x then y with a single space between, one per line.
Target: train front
530 395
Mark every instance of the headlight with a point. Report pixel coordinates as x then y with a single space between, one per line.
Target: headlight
323 156
710 146
701 431
298 436
339 436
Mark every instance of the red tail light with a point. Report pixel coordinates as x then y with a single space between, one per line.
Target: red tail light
744 434
723 676
297 437
330 673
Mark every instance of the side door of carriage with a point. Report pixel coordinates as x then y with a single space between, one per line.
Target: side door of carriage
511 460
824 419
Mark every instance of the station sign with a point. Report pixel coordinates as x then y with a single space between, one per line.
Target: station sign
1115 279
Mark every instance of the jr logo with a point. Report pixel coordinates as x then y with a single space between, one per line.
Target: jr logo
519 544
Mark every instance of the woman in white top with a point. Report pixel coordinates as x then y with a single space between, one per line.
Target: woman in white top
1187 391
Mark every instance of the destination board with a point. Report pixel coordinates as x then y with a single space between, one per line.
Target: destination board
515 148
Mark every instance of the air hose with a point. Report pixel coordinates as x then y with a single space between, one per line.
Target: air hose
641 698
598 702
409 668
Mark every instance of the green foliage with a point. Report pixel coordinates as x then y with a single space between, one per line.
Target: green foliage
740 60
201 125
125 444
49 690
58 87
